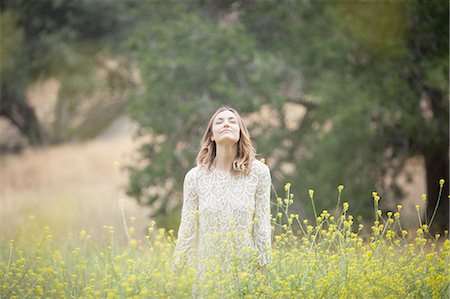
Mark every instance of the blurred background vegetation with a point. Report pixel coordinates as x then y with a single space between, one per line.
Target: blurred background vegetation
333 92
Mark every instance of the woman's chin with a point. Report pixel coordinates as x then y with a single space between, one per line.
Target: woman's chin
227 141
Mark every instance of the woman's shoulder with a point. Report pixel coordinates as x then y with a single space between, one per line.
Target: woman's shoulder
259 168
192 173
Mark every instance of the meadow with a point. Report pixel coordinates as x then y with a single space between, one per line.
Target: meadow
333 256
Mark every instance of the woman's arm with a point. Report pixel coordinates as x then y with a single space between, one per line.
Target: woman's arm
188 231
262 230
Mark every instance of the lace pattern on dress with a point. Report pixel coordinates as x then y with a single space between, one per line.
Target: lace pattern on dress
223 213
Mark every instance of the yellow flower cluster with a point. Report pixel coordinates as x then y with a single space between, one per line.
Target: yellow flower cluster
332 258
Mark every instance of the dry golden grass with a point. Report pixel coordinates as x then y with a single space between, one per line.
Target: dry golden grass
70 187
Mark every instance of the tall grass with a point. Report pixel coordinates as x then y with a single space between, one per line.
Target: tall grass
69 187
332 256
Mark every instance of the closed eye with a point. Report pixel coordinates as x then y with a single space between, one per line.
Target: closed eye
231 120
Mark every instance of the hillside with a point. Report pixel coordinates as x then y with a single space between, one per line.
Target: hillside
69 187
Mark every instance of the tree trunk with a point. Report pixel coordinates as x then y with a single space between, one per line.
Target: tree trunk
15 108
436 156
437 167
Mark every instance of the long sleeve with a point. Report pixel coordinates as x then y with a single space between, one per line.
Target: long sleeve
262 230
185 249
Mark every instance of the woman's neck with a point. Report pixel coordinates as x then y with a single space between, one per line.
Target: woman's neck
225 156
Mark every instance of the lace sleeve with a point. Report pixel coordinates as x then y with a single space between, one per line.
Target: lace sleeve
188 231
262 230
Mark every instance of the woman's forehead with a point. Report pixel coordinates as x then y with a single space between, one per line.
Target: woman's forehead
225 114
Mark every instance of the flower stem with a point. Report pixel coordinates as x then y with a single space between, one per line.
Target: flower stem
436 207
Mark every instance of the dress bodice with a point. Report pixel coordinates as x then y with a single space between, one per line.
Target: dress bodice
224 212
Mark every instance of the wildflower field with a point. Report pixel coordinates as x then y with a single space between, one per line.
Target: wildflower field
332 256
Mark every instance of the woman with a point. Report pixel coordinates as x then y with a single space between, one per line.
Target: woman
226 200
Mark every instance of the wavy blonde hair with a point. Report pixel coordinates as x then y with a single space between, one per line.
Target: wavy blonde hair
245 151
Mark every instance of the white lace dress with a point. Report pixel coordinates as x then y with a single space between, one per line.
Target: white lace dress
223 216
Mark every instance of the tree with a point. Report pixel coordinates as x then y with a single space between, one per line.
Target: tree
362 83
12 101
189 67
60 39
381 73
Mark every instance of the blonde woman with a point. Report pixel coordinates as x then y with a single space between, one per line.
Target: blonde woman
226 200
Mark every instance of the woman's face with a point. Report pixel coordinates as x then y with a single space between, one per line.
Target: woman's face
225 128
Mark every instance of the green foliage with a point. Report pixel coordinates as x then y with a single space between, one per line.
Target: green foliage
68 41
12 47
364 72
53 27
372 78
369 64
189 67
